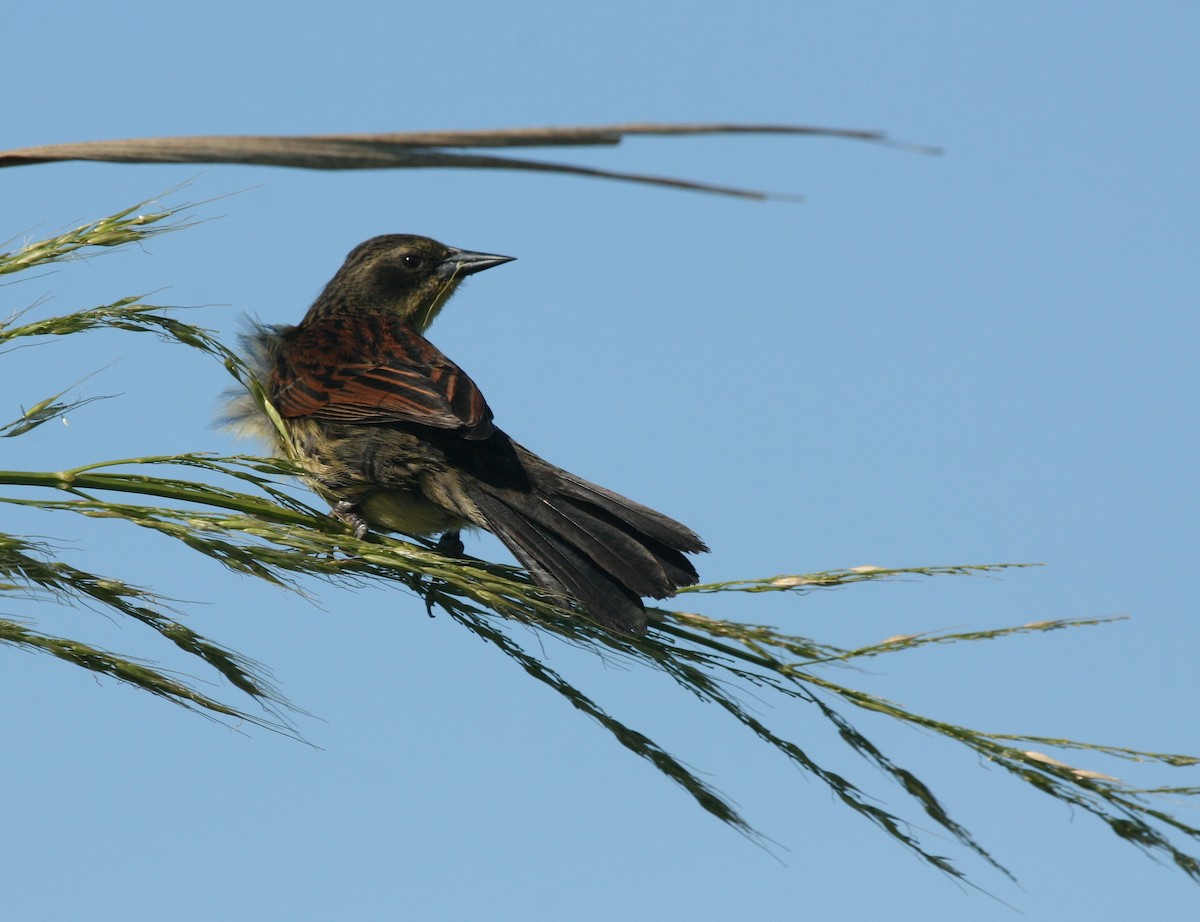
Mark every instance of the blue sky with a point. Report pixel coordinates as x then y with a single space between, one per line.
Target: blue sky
987 356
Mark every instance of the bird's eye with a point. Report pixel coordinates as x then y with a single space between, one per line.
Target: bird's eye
412 261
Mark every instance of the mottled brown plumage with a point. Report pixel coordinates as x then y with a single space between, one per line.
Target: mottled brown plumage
396 436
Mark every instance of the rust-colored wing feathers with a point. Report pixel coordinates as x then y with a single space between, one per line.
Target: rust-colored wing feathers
374 370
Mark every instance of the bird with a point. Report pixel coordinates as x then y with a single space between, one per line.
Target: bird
398 438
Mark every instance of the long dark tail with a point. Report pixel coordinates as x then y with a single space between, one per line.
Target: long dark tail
587 542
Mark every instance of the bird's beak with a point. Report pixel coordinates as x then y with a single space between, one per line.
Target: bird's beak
464 262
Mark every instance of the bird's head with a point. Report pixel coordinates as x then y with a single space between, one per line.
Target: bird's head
409 276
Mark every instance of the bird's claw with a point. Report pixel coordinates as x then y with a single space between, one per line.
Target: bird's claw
344 512
451 544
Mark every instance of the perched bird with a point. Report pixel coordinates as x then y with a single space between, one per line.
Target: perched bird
396 437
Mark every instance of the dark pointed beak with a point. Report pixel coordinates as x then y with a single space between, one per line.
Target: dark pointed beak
464 262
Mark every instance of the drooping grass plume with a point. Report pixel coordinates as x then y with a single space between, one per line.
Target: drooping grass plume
240 513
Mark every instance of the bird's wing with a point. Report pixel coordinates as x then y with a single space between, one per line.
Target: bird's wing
373 369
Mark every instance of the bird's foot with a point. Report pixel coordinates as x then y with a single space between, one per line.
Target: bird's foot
451 544
344 512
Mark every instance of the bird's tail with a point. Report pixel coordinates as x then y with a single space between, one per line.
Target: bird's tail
589 543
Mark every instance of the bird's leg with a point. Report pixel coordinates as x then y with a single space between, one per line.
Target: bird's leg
344 512
451 544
